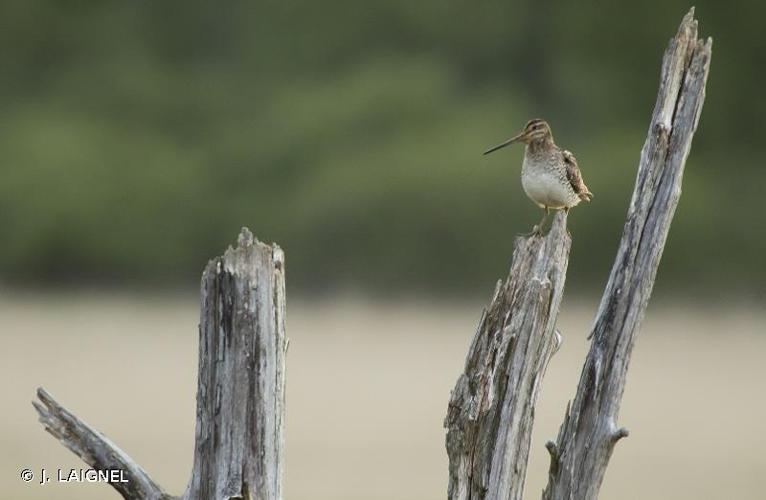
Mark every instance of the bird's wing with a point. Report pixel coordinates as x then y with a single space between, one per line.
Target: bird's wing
575 177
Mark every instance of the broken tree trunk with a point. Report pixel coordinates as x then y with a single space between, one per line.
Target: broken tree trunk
491 409
580 455
240 397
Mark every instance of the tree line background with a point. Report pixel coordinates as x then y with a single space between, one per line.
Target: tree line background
137 137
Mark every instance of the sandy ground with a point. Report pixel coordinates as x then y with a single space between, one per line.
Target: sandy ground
367 392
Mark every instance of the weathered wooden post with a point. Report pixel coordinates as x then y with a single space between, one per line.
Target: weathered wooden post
581 453
239 445
491 409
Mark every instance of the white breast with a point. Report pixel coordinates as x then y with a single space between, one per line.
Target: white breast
543 186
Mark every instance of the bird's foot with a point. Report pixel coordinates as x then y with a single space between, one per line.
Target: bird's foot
536 231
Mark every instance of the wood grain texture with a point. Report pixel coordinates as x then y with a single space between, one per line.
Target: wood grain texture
95 449
581 453
491 409
240 396
239 445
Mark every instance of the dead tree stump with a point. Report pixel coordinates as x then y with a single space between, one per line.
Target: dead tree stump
239 444
491 409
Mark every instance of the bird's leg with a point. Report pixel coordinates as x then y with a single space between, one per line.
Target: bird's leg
538 229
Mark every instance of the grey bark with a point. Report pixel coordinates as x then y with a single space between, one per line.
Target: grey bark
581 453
240 397
491 409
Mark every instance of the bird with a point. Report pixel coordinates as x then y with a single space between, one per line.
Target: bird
549 175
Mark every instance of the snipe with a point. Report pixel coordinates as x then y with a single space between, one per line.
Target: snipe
549 175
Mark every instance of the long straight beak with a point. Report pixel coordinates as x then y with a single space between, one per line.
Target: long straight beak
504 144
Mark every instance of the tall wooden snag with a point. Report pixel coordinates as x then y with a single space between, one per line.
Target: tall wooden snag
491 409
239 444
580 455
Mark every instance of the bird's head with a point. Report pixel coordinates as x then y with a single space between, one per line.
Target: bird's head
535 131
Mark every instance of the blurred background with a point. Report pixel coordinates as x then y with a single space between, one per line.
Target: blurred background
136 138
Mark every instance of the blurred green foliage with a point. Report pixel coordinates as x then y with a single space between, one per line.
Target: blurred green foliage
137 137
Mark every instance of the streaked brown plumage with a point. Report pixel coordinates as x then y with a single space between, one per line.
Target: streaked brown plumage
550 175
